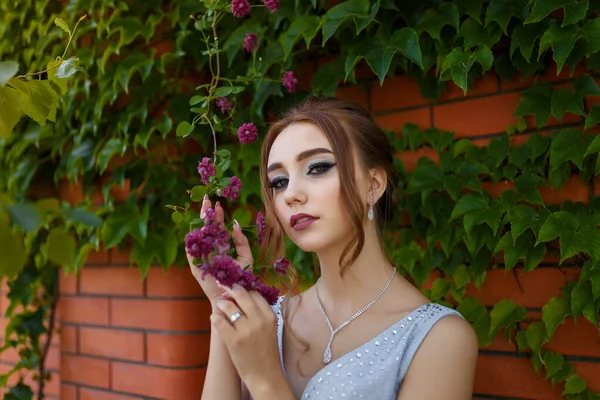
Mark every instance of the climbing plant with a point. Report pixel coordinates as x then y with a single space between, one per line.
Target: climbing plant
169 83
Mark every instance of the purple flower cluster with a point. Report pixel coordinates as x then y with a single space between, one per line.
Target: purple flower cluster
262 225
232 191
272 5
240 8
250 42
223 104
281 265
213 240
206 169
289 81
247 133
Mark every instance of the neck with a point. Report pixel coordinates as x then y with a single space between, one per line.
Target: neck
342 296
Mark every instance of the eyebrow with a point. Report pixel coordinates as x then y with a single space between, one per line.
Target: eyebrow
301 156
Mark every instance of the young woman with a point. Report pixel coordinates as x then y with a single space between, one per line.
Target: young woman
362 331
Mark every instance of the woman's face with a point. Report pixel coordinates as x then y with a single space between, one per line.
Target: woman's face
304 179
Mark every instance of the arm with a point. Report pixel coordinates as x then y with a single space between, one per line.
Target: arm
448 357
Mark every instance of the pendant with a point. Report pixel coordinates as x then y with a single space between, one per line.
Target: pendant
370 214
327 354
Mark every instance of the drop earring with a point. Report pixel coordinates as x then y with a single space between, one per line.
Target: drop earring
371 213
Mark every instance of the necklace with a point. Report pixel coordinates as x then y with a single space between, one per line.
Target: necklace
327 352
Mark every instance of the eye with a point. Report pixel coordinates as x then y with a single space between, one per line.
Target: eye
278 183
320 168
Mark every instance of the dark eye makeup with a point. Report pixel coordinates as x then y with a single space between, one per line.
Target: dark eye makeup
317 168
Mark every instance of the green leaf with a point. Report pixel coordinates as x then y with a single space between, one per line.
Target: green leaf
471 8
594 146
592 119
524 38
338 14
62 25
143 255
554 313
585 85
534 256
113 146
198 193
474 34
536 336
26 216
325 80
8 69
461 276
60 82
184 128
12 250
85 217
502 11
581 296
558 224
575 10
475 312
167 252
538 144
521 218
536 100
440 289
565 100
39 100
562 41
433 20
10 110
407 41
526 186
553 363
129 28
460 64
591 31
67 68
362 22
574 385
118 223
380 56
505 314
567 145
61 247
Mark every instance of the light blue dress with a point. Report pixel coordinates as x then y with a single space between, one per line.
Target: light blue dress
375 369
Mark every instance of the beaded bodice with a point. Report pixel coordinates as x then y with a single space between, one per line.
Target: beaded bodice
375 369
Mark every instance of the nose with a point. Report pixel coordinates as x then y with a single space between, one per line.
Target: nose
294 193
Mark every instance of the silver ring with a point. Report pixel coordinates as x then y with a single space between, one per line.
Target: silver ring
234 317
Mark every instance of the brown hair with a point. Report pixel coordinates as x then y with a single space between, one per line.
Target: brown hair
352 132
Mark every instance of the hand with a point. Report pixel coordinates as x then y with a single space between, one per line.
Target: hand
242 247
252 337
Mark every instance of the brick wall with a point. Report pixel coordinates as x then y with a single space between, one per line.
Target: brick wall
483 114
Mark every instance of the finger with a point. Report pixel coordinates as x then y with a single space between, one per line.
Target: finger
224 328
206 204
242 246
261 303
220 214
243 300
229 308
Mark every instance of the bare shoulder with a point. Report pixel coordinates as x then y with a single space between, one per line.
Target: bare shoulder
448 357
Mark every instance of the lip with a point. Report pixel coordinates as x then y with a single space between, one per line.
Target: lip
299 226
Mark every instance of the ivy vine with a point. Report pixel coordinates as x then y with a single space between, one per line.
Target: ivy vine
130 127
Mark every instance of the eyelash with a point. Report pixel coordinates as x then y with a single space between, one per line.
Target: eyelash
274 184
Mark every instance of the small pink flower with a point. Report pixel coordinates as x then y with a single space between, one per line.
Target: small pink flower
247 133
206 169
250 42
289 81
223 104
232 191
240 8
262 225
272 5
281 265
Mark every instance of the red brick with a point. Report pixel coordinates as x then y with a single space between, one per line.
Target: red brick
356 93
52 387
111 343
97 257
512 377
111 280
85 370
476 117
162 383
573 190
53 358
538 286
69 338
500 343
395 94
93 394
420 117
177 282
69 392
495 189
118 257
177 350
578 339
590 372
487 84
67 282
411 158
597 186
168 315
84 310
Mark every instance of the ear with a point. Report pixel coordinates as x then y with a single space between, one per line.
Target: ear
378 183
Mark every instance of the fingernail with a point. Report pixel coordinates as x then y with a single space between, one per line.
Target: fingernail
236 223
218 204
206 197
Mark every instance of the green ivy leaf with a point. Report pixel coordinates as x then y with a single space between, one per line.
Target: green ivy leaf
197 193
338 14
594 146
526 186
128 66
505 314
123 220
144 254
471 8
474 34
26 216
502 11
440 289
459 63
184 129
305 25
538 144
167 250
8 69
109 150
85 217
558 224
536 100
461 276
592 119
524 38
325 80
521 218
585 85
12 250
562 41
567 145
433 20
562 374
582 296
128 27
535 255
554 313
565 100
574 385
553 363
38 99
475 202
61 247
62 83
363 22
379 58
575 10
10 110
536 337
591 31
62 25
20 391
475 312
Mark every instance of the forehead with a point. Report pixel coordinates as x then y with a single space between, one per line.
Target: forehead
295 139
